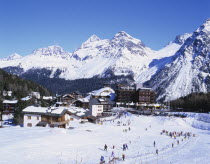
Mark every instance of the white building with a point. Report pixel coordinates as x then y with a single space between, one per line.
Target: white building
97 110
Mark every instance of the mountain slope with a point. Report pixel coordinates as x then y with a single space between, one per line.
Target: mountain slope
189 69
178 69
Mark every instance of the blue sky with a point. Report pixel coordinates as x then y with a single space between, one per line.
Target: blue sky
26 25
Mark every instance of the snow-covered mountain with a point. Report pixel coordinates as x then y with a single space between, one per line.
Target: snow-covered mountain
188 70
179 68
12 57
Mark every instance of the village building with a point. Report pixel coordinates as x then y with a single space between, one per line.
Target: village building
9 106
52 117
125 94
100 106
135 97
66 99
101 101
82 102
76 94
145 96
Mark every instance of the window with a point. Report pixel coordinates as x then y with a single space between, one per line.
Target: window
29 124
37 118
29 117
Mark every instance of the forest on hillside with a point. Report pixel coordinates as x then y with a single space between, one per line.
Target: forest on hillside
19 87
195 102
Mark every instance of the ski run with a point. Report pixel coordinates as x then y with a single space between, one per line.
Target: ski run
146 139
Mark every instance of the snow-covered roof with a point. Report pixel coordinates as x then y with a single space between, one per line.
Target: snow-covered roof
77 111
47 97
10 101
55 110
106 91
26 98
34 109
84 99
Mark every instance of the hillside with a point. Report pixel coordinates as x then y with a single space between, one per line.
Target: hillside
195 102
19 87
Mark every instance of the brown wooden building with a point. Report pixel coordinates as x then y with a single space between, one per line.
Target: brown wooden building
145 96
127 94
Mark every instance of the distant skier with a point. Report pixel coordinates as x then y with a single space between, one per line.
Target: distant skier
123 157
126 146
177 142
154 143
172 145
105 147
157 151
112 155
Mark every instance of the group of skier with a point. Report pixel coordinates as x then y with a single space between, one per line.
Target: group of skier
102 159
177 134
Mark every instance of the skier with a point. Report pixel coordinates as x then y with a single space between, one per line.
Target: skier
129 128
172 145
177 142
123 157
112 155
154 143
126 146
123 147
102 159
113 146
105 147
157 151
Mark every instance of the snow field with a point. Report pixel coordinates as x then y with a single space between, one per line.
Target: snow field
84 144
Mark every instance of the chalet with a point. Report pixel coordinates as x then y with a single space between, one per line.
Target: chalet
52 117
77 95
65 99
9 106
82 102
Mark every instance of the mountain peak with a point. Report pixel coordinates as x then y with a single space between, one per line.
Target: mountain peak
93 38
205 27
53 50
122 34
13 57
180 39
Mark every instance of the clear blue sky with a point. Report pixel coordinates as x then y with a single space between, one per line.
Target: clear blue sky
26 25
